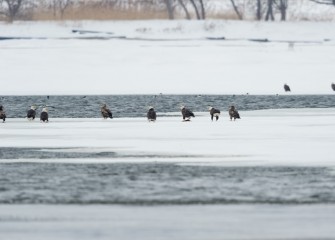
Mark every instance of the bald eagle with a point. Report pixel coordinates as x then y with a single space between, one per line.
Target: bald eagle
214 113
187 113
151 115
233 113
287 88
44 117
105 112
2 113
31 114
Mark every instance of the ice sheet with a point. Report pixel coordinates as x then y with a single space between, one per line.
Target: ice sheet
185 62
288 136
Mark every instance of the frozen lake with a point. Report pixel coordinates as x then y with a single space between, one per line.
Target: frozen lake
169 57
281 137
269 175
173 179
269 156
170 179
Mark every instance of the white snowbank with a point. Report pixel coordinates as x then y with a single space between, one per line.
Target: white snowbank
267 137
177 29
184 63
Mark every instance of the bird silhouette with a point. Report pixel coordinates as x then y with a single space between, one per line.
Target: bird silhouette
287 88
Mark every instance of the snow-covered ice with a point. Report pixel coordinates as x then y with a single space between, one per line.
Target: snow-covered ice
173 57
284 137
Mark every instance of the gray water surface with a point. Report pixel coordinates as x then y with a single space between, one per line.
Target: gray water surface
152 184
136 105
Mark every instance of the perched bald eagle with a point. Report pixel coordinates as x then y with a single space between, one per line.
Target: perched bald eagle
31 114
214 113
151 115
287 88
105 112
44 117
2 113
333 86
187 113
233 113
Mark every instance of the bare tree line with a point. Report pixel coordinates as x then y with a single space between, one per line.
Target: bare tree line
266 9
189 9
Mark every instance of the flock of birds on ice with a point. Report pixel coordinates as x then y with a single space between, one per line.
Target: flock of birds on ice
106 113
187 114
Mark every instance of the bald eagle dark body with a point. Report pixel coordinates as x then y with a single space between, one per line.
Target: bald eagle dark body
44 117
31 114
2 113
214 113
287 88
151 115
105 112
187 114
233 113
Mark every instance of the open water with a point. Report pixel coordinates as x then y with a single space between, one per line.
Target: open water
136 105
159 183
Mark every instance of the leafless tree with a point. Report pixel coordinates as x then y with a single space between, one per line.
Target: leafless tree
282 6
202 7
59 6
170 8
271 7
196 10
183 6
239 15
259 10
11 8
269 12
109 3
